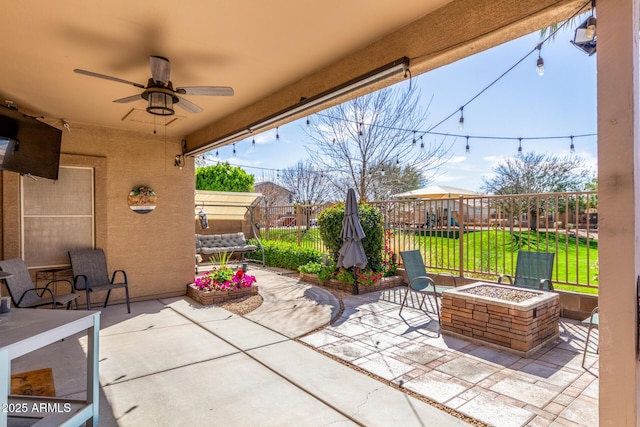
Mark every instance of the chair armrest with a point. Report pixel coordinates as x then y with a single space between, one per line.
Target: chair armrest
428 279
53 296
76 279
500 277
124 275
543 281
455 283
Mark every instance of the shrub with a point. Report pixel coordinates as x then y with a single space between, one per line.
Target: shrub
330 223
311 267
322 271
343 275
285 255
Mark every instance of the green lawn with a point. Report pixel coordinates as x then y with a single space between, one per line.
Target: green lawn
488 253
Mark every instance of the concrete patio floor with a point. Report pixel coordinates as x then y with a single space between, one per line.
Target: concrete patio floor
174 362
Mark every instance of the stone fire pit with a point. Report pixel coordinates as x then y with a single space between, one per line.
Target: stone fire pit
517 319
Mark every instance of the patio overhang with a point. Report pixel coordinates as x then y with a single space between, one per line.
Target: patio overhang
439 38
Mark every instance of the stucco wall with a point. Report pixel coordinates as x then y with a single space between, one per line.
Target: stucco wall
155 249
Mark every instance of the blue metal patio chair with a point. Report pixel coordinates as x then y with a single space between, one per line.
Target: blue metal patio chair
533 271
419 282
594 322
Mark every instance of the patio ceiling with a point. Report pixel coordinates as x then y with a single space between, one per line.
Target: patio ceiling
272 53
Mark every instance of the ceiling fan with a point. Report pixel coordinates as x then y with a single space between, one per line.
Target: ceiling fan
159 91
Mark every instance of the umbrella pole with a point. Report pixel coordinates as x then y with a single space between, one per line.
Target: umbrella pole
355 281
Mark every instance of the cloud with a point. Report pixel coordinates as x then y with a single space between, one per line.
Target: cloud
457 159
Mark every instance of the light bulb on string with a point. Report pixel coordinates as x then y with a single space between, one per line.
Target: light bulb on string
234 149
414 138
308 121
382 168
572 147
253 141
519 145
277 135
361 132
397 160
540 62
216 152
461 121
421 142
466 148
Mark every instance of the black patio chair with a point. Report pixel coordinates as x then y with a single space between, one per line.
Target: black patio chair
24 294
419 282
91 275
533 271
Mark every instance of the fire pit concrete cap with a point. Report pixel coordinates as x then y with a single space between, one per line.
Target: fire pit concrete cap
540 298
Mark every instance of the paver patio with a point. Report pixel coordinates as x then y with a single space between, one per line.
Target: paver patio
483 382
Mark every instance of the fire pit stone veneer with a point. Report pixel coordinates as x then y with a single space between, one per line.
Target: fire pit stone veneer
491 313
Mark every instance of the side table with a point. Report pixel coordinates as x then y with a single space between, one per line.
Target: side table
24 330
53 274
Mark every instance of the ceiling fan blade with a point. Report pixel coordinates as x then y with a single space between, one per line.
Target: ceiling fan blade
206 90
160 68
188 105
128 99
103 76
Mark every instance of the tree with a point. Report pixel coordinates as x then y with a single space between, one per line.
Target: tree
534 173
357 140
223 177
308 184
397 179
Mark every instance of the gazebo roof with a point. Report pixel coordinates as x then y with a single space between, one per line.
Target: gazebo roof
224 205
436 192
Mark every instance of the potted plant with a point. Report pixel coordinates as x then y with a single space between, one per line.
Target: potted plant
222 284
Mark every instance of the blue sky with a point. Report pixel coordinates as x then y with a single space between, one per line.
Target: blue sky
562 102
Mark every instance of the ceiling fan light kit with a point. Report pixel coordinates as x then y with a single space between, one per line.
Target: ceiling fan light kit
160 100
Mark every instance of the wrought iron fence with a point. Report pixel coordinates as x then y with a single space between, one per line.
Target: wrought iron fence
473 236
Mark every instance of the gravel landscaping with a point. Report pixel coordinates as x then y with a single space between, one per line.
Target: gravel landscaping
503 293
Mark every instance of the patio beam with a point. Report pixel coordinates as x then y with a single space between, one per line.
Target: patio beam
619 209
457 30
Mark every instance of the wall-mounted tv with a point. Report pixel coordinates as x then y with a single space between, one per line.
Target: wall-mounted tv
28 146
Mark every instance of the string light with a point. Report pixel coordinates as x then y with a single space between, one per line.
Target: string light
277 135
572 147
216 152
540 62
421 142
234 149
361 129
466 148
461 121
414 137
552 34
253 141
519 145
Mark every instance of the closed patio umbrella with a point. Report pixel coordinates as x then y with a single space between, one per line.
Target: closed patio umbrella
352 253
